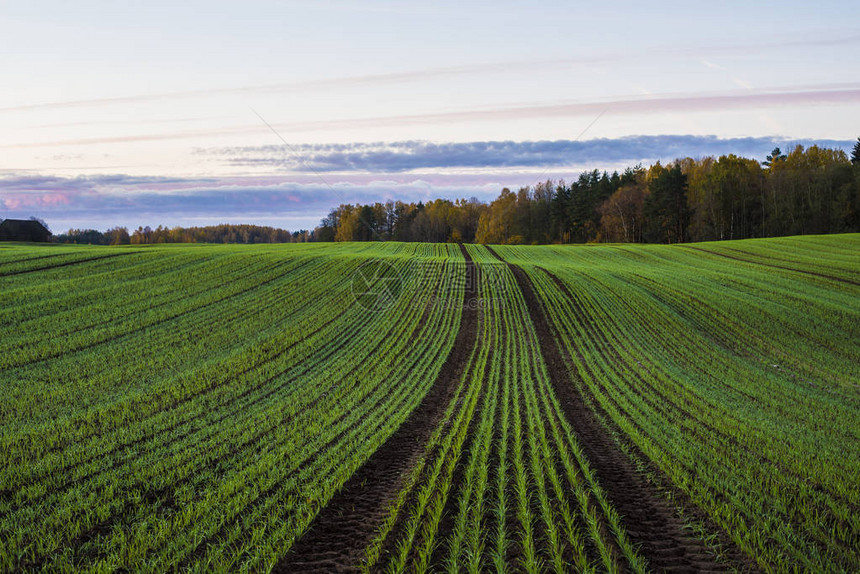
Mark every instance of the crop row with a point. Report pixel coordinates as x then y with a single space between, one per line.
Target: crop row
736 379
503 484
274 389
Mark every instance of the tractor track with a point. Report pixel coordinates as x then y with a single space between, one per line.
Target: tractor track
337 537
651 522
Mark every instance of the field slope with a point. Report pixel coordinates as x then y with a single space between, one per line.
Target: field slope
391 407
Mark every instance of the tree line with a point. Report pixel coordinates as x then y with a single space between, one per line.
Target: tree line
224 233
805 191
808 190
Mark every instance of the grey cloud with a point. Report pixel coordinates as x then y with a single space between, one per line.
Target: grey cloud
414 155
37 182
119 199
107 200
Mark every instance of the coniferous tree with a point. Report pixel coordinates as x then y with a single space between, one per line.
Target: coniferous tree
666 207
855 154
773 157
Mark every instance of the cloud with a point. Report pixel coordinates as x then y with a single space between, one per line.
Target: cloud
784 97
709 64
345 173
347 82
416 155
107 200
833 39
787 96
13 182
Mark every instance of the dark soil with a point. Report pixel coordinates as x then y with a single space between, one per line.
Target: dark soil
651 522
338 536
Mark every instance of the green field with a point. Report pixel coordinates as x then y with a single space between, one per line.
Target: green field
419 407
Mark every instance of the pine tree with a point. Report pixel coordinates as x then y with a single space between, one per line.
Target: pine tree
855 153
666 207
774 156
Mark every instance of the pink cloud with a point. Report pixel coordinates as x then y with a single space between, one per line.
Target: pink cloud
13 203
55 198
31 200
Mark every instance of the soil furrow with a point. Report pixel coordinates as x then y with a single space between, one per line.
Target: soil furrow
449 514
338 536
651 522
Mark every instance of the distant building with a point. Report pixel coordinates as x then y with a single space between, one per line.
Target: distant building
23 230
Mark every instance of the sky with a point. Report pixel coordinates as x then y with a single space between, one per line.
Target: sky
273 112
